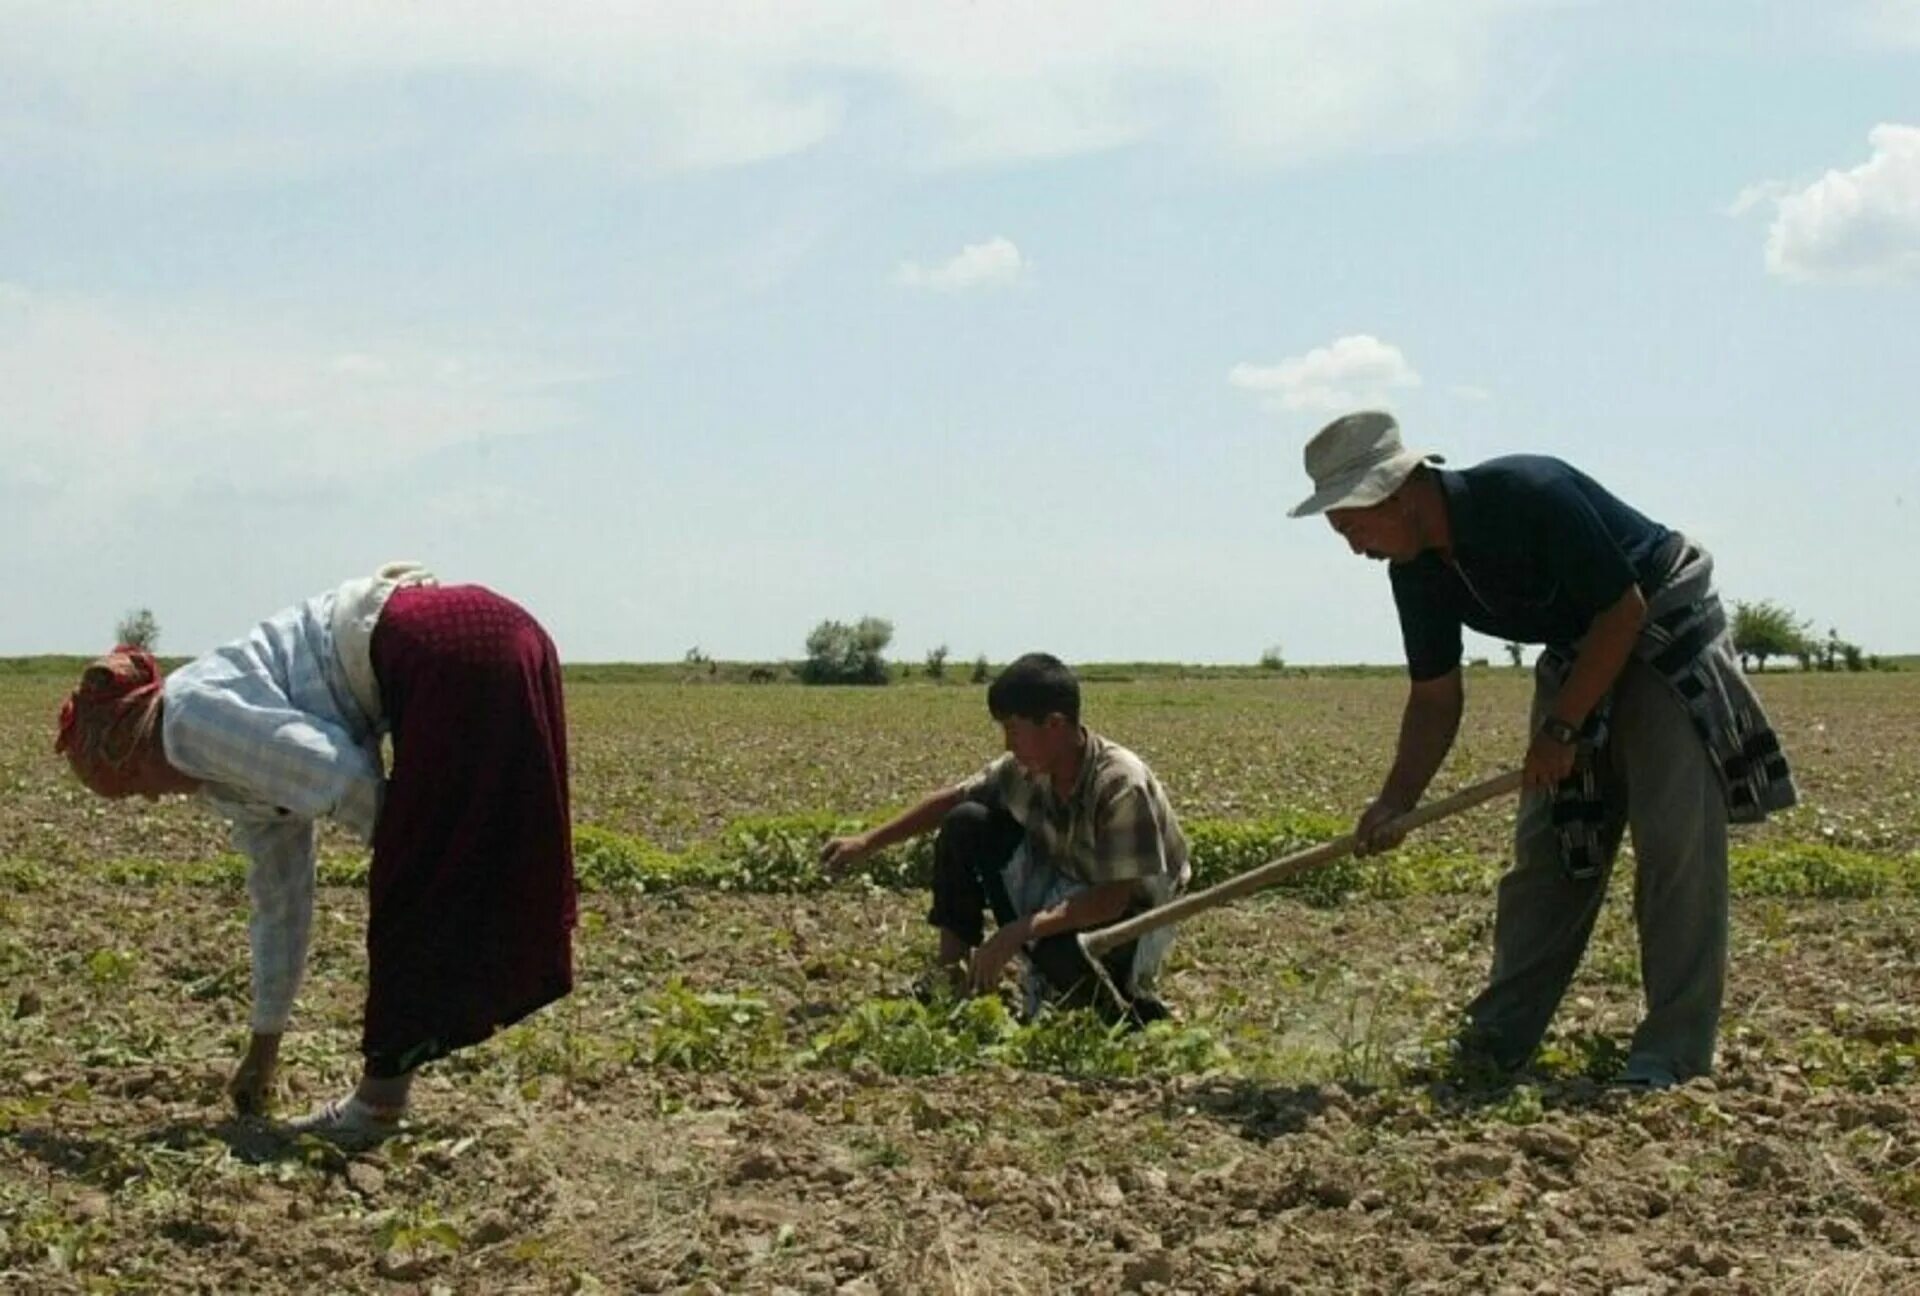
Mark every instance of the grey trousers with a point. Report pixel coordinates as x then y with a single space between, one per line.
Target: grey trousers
1659 782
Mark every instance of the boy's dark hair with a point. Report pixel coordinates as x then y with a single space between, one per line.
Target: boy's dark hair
1034 687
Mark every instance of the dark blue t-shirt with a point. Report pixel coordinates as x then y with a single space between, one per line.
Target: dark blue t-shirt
1539 550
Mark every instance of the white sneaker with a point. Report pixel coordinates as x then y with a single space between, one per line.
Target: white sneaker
349 1122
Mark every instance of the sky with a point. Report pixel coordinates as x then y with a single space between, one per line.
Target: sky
694 324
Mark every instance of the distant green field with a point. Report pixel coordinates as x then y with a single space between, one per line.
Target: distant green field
675 764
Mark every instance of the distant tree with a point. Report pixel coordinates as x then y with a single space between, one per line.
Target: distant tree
1513 651
1271 658
981 671
848 654
1837 652
1765 629
696 656
937 662
139 629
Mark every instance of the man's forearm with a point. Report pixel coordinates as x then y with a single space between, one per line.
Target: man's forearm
1427 730
1609 645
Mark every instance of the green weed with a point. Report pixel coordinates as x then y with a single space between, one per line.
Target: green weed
691 1031
1835 1061
1812 870
24 875
904 1038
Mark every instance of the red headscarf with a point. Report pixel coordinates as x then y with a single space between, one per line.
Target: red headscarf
112 714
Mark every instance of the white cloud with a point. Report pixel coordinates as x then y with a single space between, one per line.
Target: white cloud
114 401
1856 226
233 86
995 263
1358 369
1758 195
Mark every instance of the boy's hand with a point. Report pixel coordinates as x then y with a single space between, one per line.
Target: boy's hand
990 961
844 852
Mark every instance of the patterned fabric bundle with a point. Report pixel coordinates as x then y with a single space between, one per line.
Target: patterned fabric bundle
110 716
1686 641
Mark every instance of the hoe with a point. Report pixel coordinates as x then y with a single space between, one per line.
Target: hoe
1095 943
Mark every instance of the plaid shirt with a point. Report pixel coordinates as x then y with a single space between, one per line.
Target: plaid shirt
1115 826
269 725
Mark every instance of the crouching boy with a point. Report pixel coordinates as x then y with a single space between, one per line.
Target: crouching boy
1064 833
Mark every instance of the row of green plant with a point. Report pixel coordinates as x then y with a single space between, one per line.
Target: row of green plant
781 854
679 1028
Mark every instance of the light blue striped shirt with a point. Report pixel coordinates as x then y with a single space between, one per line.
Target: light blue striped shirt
270 726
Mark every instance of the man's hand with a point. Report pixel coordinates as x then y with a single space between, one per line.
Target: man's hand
1374 832
990 961
1548 761
251 1087
843 853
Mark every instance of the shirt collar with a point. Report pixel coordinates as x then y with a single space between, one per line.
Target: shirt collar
1091 745
1462 522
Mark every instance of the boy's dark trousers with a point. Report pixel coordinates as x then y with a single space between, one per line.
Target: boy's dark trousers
969 857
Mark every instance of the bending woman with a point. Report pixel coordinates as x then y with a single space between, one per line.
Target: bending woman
471 899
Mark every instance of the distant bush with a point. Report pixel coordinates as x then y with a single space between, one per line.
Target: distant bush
848 654
981 671
1272 659
138 629
937 662
1836 652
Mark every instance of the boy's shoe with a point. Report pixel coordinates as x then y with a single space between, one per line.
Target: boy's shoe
1147 1009
1647 1076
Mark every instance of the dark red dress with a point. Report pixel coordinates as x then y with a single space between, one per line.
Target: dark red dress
471 896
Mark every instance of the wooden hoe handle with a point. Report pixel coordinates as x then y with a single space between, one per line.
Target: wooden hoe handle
1265 875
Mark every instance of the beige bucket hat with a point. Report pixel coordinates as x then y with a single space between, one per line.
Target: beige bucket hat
1356 461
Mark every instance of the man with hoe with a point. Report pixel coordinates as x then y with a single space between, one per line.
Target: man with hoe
1641 720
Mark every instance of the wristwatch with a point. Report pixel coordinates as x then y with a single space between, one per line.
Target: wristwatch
1561 732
